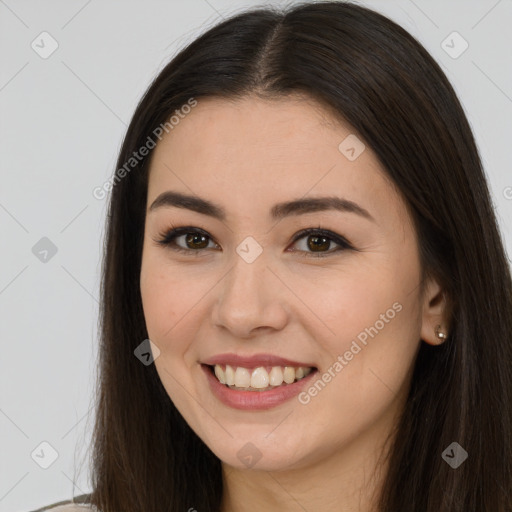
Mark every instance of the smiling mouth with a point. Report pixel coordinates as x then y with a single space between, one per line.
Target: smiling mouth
262 378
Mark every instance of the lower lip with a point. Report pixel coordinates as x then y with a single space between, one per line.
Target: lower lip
255 400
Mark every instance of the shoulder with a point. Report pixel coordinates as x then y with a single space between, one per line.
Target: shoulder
70 507
77 504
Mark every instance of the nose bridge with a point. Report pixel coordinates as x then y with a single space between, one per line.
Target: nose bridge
244 285
248 269
247 298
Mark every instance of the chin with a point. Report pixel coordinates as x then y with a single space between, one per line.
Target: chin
256 453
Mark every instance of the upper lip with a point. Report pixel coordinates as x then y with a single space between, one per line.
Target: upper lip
253 361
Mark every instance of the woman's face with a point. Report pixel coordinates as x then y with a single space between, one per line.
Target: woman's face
344 302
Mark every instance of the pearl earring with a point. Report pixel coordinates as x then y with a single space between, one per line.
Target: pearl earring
440 335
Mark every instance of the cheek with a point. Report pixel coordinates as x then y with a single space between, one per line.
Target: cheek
167 295
173 299
167 303
374 319
381 345
157 301
351 299
369 361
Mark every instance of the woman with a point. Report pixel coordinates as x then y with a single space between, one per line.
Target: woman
301 226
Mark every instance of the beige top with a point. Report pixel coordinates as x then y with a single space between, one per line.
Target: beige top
73 505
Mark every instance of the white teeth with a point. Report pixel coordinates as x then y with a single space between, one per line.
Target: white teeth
219 373
276 376
229 375
259 378
289 374
242 378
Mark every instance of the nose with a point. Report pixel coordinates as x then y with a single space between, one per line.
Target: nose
250 299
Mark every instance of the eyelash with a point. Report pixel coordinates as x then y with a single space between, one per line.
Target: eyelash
167 239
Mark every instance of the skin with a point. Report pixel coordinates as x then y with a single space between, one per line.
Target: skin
246 155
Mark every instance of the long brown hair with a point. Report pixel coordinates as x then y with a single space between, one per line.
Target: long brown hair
375 75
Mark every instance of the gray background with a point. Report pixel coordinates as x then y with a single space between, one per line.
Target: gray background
61 124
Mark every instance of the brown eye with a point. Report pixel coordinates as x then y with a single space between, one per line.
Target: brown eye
194 240
318 241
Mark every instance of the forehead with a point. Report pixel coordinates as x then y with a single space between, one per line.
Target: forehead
286 127
250 151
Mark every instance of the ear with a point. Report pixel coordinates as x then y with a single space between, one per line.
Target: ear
434 316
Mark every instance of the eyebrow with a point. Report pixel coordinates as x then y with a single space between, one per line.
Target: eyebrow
278 211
